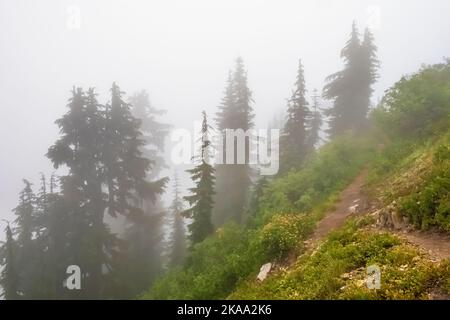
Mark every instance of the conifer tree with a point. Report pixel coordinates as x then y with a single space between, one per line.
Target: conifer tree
234 180
26 251
80 149
350 89
314 124
53 237
101 147
24 216
256 195
293 141
145 235
370 65
153 131
128 187
9 277
201 197
178 230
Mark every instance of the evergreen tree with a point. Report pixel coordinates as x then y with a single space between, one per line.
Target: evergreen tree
129 188
226 108
314 125
178 230
145 236
370 65
201 198
53 237
24 228
107 172
24 217
234 180
256 195
153 132
350 89
80 149
293 141
9 277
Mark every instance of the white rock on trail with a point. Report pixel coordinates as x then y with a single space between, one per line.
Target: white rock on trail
264 271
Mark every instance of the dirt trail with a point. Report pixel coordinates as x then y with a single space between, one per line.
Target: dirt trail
436 245
350 196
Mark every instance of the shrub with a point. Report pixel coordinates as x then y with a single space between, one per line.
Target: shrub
417 106
213 267
430 206
284 233
442 153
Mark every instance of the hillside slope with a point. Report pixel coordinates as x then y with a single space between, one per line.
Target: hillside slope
394 216
414 264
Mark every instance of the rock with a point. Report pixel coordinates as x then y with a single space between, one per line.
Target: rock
354 208
264 271
389 217
397 221
383 218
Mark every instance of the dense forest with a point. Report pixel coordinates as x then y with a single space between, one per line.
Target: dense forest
211 241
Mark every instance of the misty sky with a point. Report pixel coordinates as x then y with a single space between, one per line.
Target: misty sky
181 51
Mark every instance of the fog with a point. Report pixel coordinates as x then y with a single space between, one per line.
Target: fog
181 51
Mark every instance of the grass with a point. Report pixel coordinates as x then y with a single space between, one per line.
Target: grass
337 270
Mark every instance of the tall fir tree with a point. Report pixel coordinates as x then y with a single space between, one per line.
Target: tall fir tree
53 230
153 131
178 229
107 172
201 197
140 260
25 213
350 89
9 277
370 65
24 229
293 146
233 179
79 148
314 124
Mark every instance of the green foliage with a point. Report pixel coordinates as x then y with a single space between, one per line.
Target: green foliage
415 116
390 158
201 197
284 232
326 172
430 206
417 106
213 268
293 147
228 257
337 270
442 153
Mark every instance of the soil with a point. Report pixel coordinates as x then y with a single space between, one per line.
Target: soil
350 196
433 243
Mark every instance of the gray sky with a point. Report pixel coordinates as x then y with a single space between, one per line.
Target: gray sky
180 51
